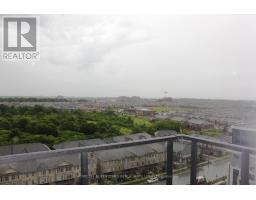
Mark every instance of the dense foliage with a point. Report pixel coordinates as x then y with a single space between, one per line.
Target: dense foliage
31 99
50 126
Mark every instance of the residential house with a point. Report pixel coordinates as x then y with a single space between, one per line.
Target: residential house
57 170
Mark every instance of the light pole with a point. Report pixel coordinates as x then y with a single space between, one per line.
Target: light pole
165 96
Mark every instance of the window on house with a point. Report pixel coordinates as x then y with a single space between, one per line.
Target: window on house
68 168
252 177
236 156
60 169
235 176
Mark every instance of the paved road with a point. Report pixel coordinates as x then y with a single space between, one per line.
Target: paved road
211 171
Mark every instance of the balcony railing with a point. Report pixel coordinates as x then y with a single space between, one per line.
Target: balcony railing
245 152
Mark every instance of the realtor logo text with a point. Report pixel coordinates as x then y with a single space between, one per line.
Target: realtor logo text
20 39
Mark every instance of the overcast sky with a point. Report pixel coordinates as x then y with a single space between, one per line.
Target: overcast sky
196 56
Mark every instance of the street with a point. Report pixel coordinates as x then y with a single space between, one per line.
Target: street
211 171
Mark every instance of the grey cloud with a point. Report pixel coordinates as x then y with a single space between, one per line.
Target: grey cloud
202 56
77 42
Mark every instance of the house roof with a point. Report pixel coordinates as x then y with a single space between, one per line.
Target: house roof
7 170
141 149
114 154
40 164
197 121
139 136
144 109
22 148
136 150
64 163
163 133
121 153
78 143
178 119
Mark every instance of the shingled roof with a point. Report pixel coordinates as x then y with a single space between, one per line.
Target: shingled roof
141 149
22 148
114 154
164 133
117 154
78 143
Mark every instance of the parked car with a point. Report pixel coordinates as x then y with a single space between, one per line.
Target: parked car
201 180
152 180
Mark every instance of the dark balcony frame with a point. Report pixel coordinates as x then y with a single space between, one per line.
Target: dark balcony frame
83 151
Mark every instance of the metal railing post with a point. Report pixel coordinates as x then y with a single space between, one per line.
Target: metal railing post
193 170
169 163
245 168
84 168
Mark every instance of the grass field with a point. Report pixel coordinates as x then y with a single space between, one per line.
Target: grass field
213 133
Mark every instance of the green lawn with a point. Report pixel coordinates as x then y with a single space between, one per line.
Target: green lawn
213 133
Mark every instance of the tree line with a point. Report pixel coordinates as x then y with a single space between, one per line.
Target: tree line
51 126
31 99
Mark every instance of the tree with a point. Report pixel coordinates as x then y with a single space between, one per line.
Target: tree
22 123
4 137
14 136
3 109
47 129
67 125
4 123
88 128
